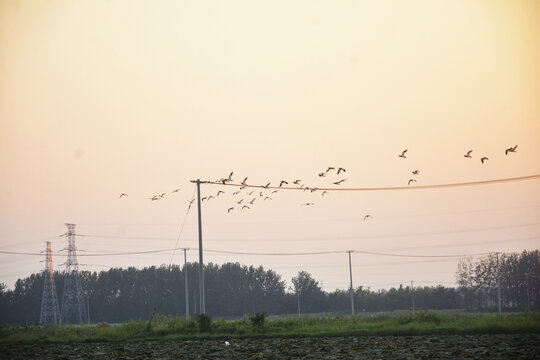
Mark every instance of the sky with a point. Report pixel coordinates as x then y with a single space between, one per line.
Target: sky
100 98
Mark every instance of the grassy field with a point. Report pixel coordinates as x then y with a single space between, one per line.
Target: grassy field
169 328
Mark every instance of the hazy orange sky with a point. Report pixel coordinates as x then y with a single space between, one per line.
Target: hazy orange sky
98 98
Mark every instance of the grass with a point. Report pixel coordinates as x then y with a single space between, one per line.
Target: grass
167 328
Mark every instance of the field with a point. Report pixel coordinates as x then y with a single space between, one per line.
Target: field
524 346
406 336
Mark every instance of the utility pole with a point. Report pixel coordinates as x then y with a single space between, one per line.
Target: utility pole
412 294
202 307
88 306
50 311
527 284
351 289
298 299
186 283
73 309
498 286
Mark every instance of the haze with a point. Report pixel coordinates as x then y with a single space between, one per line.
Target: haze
99 98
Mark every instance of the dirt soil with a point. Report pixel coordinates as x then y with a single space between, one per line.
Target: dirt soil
350 347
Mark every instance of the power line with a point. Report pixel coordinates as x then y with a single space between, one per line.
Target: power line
354 237
182 227
261 253
387 188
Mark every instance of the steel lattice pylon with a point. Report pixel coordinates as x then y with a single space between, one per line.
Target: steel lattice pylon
73 309
50 312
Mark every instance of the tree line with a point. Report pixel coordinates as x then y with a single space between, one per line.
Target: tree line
232 290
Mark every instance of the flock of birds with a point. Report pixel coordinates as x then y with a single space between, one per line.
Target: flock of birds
245 204
467 155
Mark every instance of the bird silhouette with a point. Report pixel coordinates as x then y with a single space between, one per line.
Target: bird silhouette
307 204
367 217
251 192
330 168
211 197
175 190
261 194
483 159
220 192
283 182
324 192
275 191
296 182
468 155
245 206
240 202
403 154
123 194
230 209
510 149
410 181
268 198
339 182
341 170
416 172
322 174
252 201
244 181
236 193
204 198
230 176
266 186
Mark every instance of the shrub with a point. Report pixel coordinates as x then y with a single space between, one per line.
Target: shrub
257 321
205 322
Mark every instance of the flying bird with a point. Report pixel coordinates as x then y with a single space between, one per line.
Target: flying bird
245 206
341 170
211 197
176 190
367 217
296 182
410 181
230 176
266 186
483 159
268 198
220 192
403 154
275 191
468 155
510 149
283 182
155 197
204 198
252 201
324 192
162 195
330 168
123 194
261 194
230 209
244 181
240 202
251 192
191 201
416 172
236 193
307 204
339 182
322 174
313 190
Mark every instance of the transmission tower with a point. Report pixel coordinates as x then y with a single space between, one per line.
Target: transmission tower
73 309
50 312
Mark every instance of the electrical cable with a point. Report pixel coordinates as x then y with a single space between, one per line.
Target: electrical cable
183 224
388 188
